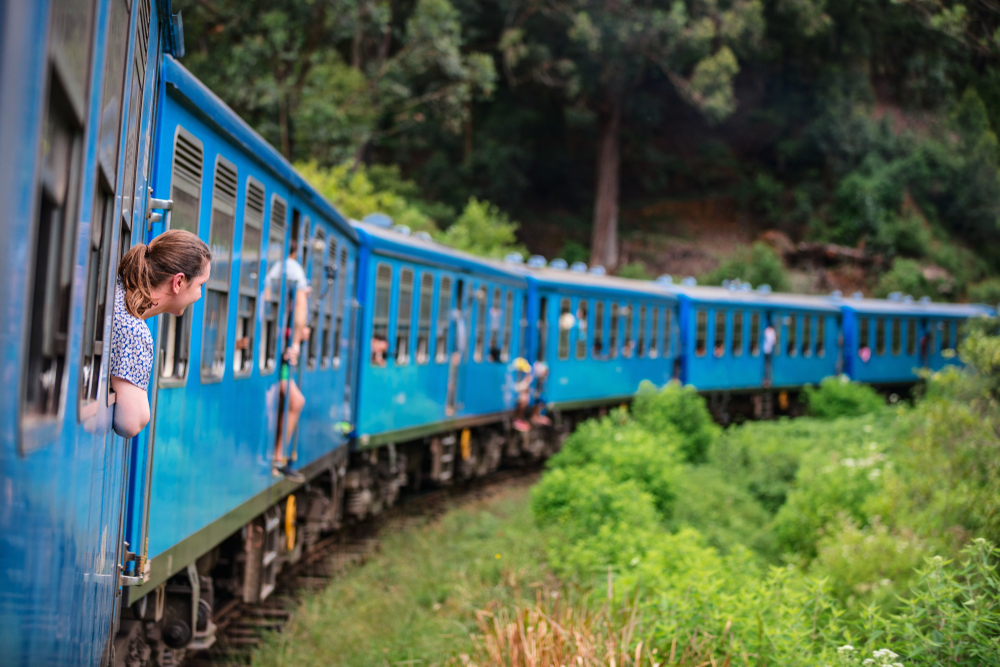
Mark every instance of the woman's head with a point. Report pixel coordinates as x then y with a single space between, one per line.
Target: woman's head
166 275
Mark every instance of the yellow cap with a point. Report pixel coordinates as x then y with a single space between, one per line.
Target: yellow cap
522 365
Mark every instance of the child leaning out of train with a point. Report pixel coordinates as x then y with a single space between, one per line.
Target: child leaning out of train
163 277
523 378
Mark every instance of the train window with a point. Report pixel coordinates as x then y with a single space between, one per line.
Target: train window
880 336
864 335
641 345
508 326
380 315
116 49
317 293
329 297
911 336
444 314
342 278
270 331
185 191
404 316
565 325
613 332
496 322
213 337
821 336
132 159
582 325
806 336
424 318
253 223
628 344
754 333
945 328
701 333
897 337
598 329
95 309
522 337
543 328
719 343
737 346
793 325
480 296
667 323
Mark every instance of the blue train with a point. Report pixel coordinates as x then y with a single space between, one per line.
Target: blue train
117 551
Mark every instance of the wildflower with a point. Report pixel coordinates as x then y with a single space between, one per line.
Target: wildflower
846 648
868 662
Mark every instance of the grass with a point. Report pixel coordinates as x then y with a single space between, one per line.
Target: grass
417 602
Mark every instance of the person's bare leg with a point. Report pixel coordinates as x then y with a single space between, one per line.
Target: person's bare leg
279 455
296 402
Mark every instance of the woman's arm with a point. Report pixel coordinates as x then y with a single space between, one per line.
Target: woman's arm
131 408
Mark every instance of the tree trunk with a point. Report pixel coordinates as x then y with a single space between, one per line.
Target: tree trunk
604 238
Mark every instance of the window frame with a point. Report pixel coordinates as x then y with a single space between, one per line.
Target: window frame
821 337
791 337
317 280
701 332
640 344
911 336
384 285
443 322
614 316
508 326
425 297
896 337
807 341
719 325
880 336
404 316
269 315
250 288
755 333
222 287
562 349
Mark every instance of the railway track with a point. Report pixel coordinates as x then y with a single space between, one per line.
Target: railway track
242 627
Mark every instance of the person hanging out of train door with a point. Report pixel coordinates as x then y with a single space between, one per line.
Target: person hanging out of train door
163 277
770 342
298 289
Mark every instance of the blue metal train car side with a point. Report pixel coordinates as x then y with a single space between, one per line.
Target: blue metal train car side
447 321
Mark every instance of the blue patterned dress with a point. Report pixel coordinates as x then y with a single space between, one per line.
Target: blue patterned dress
131 344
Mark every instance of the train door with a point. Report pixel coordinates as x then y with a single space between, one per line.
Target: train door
458 354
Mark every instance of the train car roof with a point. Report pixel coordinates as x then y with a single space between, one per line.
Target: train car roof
737 297
917 308
405 246
564 278
207 105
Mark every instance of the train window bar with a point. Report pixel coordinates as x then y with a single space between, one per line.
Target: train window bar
424 317
508 332
754 334
221 229
331 283
316 295
821 336
613 332
807 336
582 326
443 317
791 343
404 316
897 337
249 286
380 315
598 330
701 333
270 331
880 336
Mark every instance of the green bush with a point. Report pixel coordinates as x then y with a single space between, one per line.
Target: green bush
986 291
676 409
635 271
758 265
907 276
839 397
483 229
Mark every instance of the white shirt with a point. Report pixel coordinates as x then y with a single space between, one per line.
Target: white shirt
770 338
295 275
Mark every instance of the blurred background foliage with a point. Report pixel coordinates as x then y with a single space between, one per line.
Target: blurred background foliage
869 124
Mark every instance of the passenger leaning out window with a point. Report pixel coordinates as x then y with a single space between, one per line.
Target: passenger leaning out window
163 277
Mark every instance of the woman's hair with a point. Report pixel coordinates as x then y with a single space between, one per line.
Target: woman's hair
145 267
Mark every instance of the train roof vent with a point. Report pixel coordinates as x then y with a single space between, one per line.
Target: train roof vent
690 281
763 289
378 220
401 229
857 296
907 298
746 287
536 262
925 300
558 264
423 236
665 279
598 270
836 295
514 258
895 297
578 267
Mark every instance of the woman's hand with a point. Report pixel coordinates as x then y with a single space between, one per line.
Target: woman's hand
131 408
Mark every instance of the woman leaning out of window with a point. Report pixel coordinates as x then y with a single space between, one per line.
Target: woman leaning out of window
163 277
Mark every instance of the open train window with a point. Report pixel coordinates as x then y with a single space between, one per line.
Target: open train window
598 330
641 338
667 324
880 336
737 344
701 333
317 295
250 251
911 336
654 333
821 336
807 336
220 234
185 191
331 283
897 337
496 323
628 324
508 330
424 318
945 327
479 294
444 314
543 327
380 315
565 325
582 325
864 334
342 277
270 331
719 343
613 332
791 343
754 334
404 316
